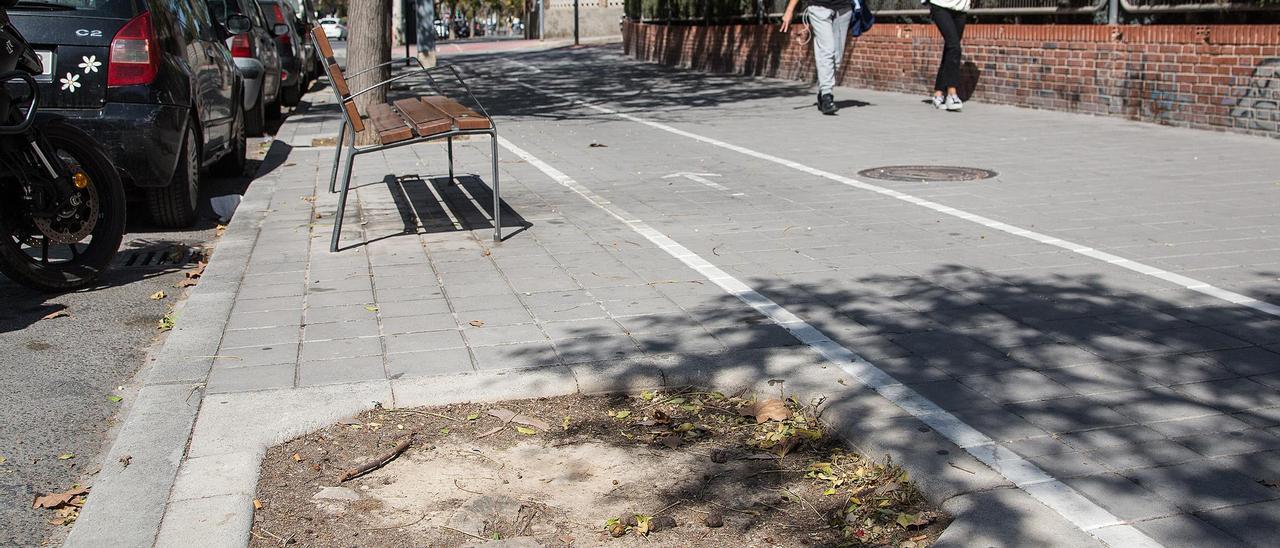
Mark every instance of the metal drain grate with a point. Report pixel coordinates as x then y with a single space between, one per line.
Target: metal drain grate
160 256
927 174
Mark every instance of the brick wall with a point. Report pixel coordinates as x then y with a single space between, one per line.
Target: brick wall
1214 77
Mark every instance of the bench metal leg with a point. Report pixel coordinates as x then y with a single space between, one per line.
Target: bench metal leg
342 198
451 159
497 199
337 154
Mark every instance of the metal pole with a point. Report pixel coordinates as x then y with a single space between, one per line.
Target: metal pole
1113 12
542 17
575 22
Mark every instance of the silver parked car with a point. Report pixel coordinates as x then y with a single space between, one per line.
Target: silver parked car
258 59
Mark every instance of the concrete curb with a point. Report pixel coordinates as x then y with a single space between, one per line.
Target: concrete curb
127 503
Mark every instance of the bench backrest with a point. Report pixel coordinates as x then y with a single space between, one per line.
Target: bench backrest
336 78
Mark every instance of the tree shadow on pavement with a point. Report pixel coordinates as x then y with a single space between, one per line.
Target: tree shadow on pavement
1161 407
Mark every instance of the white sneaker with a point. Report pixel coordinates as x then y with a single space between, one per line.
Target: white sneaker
938 102
953 102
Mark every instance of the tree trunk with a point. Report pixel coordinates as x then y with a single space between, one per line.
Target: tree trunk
368 44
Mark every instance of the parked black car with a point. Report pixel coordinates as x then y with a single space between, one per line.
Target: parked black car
293 53
153 81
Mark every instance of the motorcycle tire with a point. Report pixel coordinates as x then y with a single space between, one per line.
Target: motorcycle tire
86 262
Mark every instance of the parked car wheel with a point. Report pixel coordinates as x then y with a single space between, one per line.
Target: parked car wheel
273 110
255 121
174 206
233 164
292 95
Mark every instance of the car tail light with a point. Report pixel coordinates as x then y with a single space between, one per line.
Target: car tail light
241 46
134 58
278 14
284 75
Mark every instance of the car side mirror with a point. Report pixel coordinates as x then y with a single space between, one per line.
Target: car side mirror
238 24
279 29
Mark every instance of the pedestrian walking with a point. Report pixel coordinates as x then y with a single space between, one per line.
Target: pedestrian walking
827 23
948 16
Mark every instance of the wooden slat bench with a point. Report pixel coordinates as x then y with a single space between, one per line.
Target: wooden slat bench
399 123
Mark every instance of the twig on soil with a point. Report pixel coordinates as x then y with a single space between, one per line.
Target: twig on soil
747 512
377 463
463 532
803 502
953 465
414 522
667 507
268 533
428 413
776 470
461 488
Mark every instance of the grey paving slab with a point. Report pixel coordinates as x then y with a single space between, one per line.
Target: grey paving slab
340 348
261 377
418 342
239 338
1254 524
515 356
429 363
1185 531
340 330
1122 497
1202 485
258 355
337 371
492 336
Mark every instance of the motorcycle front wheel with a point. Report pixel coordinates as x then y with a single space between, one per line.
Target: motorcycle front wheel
70 250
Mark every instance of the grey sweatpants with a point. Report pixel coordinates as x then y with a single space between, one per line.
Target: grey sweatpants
829 31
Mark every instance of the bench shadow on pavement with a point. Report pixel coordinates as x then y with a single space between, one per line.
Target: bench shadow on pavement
431 205
1151 404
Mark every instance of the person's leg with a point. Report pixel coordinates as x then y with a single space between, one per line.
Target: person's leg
946 26
824 50
840 28
950 69
959 19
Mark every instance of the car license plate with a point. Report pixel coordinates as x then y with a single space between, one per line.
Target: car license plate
46 61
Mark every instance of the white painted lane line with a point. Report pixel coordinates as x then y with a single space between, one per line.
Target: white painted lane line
1027 476
1177 279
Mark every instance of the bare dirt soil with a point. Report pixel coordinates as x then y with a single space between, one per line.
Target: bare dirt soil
682 468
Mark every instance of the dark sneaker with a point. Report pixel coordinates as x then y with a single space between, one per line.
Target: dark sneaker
827 103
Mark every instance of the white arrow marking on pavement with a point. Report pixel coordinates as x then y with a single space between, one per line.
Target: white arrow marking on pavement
699 178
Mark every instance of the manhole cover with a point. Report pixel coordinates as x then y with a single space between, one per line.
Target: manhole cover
923 174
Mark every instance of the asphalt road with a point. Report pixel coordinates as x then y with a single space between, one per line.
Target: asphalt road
58 375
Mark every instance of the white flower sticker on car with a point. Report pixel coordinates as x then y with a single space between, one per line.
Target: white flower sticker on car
90 64
70 82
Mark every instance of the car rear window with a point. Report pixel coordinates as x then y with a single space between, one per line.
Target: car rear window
115 9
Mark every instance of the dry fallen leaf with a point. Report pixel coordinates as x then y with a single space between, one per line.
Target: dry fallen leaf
504 415
476 323
58 314
773 409
257 504
56 500
157 295
526 430
185 282
598 145
297 457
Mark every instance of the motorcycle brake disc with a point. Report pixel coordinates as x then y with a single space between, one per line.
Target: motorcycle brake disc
73 224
